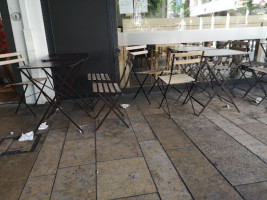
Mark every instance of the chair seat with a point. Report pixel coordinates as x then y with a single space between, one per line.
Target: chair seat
150 72
177 79
98 77
108 88
254 64
29 82
258 69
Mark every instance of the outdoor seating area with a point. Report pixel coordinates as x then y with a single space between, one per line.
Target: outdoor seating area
160 144
133 100
218 155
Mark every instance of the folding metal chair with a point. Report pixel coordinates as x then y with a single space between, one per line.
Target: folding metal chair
103 77
110 93
171 80
106 77
13 58
260 75
141 51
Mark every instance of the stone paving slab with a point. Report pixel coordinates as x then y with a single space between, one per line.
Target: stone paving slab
201 178
38 188
167 180
22 146
75 183
239 165
49 156
123 178
5 144
115 141
254 191
258 130
170 136
142 197
78 152
14 171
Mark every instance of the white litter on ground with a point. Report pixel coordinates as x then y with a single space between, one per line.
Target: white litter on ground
125 105
258 99
43 126
11 133
26 136
227 106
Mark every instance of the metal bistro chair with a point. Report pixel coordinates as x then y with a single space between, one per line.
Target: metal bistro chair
171 80
260 75
106 77
141 51
103 77
13 58
107 90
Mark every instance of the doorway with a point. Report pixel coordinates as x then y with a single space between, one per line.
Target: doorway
7 93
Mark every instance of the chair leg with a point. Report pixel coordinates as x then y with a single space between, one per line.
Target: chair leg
141 87
110 109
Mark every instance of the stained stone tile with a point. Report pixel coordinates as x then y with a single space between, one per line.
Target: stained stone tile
224 124
38 188
78 152
263 119
75 183
239 165
123 178
238 118
254 191
112 127
88 126
13 177
4 145
117 146
60 121
191 121
143 197
254 145
258 130
201 178
139 124
170 136
211 139
49 156
169 184
21 146
143 131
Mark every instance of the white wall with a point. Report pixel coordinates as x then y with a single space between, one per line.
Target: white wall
29 35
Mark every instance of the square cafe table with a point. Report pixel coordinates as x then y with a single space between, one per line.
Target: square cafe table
62 83
219 80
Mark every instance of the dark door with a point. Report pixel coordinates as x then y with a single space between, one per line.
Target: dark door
83 26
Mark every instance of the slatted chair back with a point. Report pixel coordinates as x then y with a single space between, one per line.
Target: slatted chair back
184 59
240 45
127 66
11 58
137 50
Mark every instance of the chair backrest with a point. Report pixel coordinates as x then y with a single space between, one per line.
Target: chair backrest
127 66
11 58
8 59
240 45
137 50
190 58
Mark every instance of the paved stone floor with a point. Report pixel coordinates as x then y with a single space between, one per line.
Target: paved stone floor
220 155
